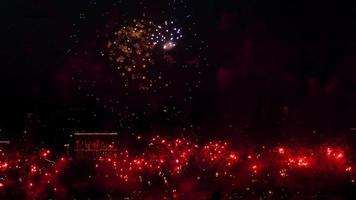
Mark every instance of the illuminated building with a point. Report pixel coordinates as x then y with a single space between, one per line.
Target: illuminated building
91 146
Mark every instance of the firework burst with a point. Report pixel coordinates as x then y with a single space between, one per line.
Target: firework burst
133 52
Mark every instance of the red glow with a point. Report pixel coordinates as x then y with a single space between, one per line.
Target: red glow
171 159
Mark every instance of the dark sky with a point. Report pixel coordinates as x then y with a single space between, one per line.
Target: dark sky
274 66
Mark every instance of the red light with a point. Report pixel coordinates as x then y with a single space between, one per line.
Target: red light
281 150
348 169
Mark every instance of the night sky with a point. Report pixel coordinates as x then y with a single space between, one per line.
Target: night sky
210 99
272 69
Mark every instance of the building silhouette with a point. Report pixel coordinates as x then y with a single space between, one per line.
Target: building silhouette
92 146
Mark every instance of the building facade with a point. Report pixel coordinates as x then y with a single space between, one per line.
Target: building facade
92 146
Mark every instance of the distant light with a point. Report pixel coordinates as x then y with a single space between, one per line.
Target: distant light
169 45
